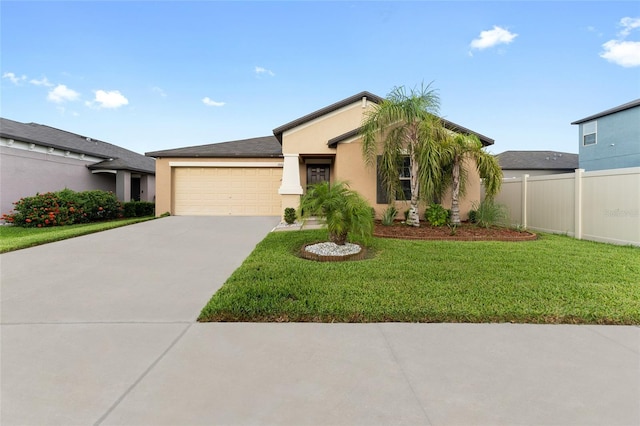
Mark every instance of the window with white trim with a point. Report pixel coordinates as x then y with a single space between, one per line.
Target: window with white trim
589 133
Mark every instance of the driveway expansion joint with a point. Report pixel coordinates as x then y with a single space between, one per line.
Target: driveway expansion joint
404 373
143 375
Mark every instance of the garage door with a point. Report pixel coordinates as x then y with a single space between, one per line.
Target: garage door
223 191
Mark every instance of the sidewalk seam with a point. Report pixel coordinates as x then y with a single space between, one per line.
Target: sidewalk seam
142 376
404 373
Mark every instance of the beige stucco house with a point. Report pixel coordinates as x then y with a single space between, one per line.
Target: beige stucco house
263 176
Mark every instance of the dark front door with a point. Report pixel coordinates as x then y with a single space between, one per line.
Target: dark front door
317 173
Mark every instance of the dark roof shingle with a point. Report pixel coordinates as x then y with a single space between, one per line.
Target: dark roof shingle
261 147
116 157
537 160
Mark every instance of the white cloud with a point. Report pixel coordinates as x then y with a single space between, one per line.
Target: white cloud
620 51
263 71
210 102
14 78
42 82
159 91
623 53
62 93
492 38
628 25
112 99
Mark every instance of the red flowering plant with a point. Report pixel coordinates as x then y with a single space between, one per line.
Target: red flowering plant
64 207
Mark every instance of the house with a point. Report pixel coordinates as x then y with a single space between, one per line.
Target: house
514 164
263 176
611 138
36 158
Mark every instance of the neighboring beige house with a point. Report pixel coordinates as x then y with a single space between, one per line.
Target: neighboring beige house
263 176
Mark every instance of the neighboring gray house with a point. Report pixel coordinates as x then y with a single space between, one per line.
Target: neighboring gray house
36 159
536 163
611 139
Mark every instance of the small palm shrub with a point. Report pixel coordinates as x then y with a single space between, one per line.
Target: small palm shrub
290 215
345 211
389 215
436 215
490 213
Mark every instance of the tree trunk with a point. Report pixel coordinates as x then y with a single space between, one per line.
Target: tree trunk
455 192
339 239
414 216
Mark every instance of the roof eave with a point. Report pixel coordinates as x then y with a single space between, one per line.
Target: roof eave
619 108
278 131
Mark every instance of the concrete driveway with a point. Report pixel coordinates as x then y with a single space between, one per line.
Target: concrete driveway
101 330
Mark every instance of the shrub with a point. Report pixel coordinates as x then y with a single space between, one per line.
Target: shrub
389 215
406 215
290 215
346 212
64 207
473 216
138 209
436 215
490 213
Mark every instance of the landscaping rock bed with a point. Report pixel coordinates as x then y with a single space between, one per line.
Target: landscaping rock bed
331 252
463 232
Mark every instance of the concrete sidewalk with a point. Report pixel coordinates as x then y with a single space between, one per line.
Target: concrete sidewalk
101 330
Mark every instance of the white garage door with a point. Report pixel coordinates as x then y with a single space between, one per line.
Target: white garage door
224 191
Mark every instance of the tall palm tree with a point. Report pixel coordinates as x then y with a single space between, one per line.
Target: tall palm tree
406 124
460 147
345 211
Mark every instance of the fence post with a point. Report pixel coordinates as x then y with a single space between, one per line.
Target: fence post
523 193
577 232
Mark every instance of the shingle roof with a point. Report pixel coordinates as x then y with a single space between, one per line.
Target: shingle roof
537 160
116 158
278 132
619 108
265 146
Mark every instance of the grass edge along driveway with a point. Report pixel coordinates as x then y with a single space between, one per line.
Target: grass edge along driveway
15 237
555 279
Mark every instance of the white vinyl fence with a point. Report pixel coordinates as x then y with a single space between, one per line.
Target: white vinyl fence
599 206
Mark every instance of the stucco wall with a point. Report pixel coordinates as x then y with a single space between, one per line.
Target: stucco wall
25 173
618 142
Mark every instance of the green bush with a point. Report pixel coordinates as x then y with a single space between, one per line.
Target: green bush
64 207
473 216
489 213
389 215
138 209
437 215
290 215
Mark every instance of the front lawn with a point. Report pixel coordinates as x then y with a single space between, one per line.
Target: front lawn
555 279
16 237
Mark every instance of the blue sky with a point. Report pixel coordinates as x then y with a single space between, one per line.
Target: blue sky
155 75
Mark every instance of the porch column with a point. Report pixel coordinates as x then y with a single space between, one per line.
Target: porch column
290 176
123 185
290 189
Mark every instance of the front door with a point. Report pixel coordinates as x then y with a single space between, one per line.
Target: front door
317 173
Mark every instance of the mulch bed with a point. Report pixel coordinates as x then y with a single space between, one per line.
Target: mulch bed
464 232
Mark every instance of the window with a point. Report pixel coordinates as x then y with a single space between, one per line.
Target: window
589 133
405 182
405 178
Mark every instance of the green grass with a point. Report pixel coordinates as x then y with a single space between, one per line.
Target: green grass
555 279
16 238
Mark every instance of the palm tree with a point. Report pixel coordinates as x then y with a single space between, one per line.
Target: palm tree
460 147
407 125
345 211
